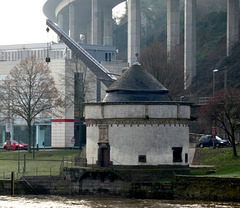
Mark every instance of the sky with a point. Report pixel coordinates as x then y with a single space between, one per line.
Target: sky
23 21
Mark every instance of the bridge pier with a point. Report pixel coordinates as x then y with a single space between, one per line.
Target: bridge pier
107 23
189 42
96 33
232 24
134 30
62 20
173 25
73 28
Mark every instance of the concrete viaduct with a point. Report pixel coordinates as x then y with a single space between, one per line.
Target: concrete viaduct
90 21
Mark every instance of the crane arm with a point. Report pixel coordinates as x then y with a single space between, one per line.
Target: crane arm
102 73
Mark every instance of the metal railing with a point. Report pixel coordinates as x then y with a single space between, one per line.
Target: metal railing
203 100
73 162
52 171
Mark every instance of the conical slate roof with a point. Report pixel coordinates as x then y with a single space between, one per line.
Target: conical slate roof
136 84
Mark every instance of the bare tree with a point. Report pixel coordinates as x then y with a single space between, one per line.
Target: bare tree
223 111
29 90
169 73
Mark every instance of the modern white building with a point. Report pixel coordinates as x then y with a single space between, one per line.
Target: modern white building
59 132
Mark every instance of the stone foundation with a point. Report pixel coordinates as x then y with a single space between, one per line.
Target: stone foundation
206 188
109 183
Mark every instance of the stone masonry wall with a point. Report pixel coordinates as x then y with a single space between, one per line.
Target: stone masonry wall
206 188
108 184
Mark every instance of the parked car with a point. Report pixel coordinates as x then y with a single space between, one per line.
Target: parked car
14 145
207 141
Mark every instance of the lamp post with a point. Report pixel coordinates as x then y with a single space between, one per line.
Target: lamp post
225 90
225 79
213 127
18 154
225 87
214 71
33 137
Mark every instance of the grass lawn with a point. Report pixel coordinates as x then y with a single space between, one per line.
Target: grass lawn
46 162
225 165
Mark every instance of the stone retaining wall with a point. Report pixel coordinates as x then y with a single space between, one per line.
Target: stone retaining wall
97 183
109 184
46 185
206 188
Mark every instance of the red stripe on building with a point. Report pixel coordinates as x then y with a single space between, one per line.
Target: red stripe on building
62 120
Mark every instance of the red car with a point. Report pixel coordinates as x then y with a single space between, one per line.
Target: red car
14 145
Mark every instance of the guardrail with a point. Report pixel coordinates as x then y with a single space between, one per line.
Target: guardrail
203 100
73 162
52 171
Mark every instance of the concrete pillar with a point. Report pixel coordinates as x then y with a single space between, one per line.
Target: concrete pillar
232 24
63 21
189 42
96 34
173 25
62 124
107 19
73 27
134 29
89 34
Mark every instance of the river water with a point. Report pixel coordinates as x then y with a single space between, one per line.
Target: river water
90 202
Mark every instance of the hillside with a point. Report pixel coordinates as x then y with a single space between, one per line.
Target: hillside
211 54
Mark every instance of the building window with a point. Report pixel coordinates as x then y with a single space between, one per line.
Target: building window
186 157
142 158
177 154
108 57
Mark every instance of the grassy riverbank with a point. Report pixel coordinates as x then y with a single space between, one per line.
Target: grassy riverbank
216 162
220 161
46 162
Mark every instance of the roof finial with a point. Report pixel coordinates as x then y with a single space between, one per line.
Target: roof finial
136 54
136 63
